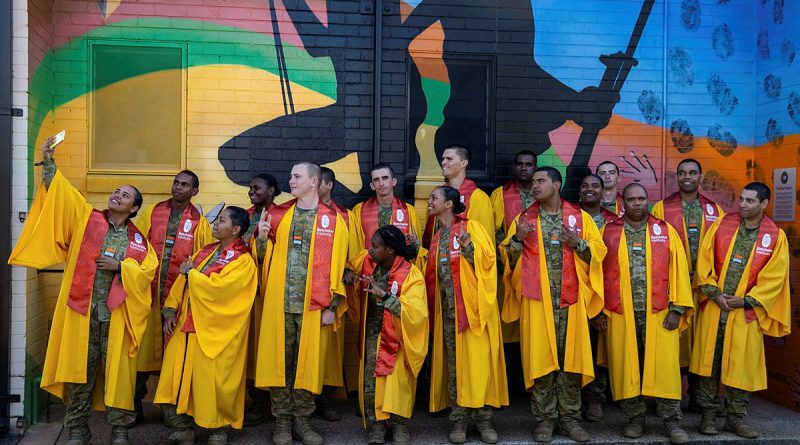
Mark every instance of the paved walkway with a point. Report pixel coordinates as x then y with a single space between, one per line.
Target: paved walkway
778 425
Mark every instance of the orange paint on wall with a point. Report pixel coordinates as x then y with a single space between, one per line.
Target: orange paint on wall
429 45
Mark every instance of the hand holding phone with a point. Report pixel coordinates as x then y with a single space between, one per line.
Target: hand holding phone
49 146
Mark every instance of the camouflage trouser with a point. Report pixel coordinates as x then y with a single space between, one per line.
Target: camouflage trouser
174 420
79 395
707 388
667 409
458 413
557 396
595 391
288 402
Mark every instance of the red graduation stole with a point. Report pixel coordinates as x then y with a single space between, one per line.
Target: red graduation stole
80 292
620 205
512 203
369 217
659 267
228 255
182 248
766 240
459 224
572 218
673 212
390 339
325 228
466 190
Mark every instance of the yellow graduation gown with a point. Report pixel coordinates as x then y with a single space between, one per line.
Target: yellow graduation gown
151 350
687 335
662 376
480 361
314 339
743 362
203 372
510 330
52 234
537 326
395 393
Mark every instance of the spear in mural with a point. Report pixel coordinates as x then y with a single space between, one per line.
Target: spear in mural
283 72
618 66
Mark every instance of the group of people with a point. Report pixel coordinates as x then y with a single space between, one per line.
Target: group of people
608 293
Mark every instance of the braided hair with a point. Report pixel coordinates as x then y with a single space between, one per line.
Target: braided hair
451 194
392 237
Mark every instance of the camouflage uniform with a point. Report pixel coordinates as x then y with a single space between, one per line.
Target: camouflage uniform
79 395
611 206
261 245
286 401
595 391
526 197
448 302
693 217
556 395
736 400
374 325
636 242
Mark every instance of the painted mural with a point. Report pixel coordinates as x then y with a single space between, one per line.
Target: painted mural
268 82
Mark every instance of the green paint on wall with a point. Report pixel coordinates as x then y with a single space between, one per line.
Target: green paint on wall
551 159
437 93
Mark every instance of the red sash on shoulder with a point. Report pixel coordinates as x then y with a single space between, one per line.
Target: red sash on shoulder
369 218
512 203
228 255
572 218
80 292
658 233
766 240
390 340
620 205
673 212
459 224
341 210
182 248
325 228
466 190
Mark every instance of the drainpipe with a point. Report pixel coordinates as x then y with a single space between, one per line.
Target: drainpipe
377 72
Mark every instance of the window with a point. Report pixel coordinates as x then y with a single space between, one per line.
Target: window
137 111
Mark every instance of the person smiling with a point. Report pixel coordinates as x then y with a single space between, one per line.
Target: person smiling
206 318
104 300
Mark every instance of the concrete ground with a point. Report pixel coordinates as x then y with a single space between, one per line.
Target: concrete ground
778 425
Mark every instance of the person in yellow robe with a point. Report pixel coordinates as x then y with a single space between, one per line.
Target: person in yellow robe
648 300
455 161
176 229
103 303
303 303
691 214
743 274
553 257
393 327
468 370
206 318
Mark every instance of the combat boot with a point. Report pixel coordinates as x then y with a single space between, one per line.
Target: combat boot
79 435
708 423
594 412
676 434
325 408
488 433
400 435
544 431
283 431
737 425
377 433
306 433
218 436
119 435
575 431
181 437
634 428
458 434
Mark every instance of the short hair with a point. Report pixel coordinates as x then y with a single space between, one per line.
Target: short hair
380 166
137 201
634 184
270 181
191 174
593 175
327 175
552 173
394 238
687 160
314 170
239 218
451 194
462 151
604 163
761 189
527 152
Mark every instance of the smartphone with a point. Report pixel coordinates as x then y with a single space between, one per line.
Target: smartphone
59 138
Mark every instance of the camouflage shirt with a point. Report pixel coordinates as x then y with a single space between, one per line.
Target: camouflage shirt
636 243
693 218
384 216
444 273
261 245
169 244
300 234
745 239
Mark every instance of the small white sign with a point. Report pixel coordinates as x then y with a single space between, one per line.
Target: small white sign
784 187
